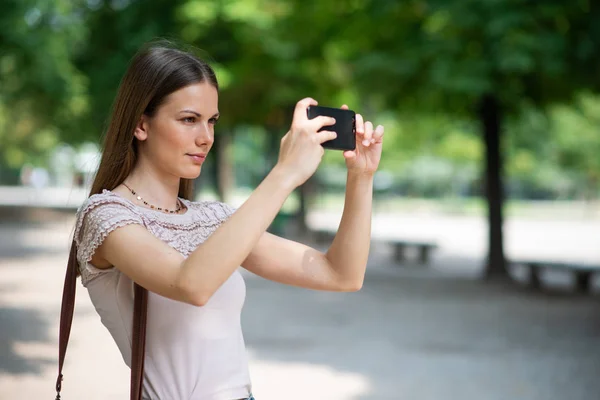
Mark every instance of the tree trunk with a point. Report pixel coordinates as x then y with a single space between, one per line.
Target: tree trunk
305 192
224 177
491 119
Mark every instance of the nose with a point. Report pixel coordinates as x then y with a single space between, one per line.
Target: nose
205 135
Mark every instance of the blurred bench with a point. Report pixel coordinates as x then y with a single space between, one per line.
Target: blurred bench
424 248
583 272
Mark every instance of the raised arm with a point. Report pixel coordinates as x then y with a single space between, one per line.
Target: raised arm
160 269
342 267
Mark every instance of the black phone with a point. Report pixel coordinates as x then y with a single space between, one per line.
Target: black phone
345 126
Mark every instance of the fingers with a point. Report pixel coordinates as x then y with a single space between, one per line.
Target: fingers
321 121
378 134
360 126
349 154
368 133
301 106
324 136
344 107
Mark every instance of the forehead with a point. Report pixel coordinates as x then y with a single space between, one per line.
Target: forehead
202 97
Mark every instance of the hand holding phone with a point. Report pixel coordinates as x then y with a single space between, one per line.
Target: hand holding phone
301 149
345 126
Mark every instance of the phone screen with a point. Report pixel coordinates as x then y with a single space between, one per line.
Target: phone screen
345 126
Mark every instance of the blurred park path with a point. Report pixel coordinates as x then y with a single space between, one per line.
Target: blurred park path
410 333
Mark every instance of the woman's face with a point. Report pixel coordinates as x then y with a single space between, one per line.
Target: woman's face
178 137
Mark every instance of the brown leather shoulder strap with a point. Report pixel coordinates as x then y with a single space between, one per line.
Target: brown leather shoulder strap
138 336
66 314
138 345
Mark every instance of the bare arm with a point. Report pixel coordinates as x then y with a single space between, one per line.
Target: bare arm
349 252
160 269
286 261
342 268
211 264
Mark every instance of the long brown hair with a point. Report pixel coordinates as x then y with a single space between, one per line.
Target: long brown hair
157 70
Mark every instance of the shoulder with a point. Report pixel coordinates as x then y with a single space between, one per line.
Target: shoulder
106 204
102 213
96 218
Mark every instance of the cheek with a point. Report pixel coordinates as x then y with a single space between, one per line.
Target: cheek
169 136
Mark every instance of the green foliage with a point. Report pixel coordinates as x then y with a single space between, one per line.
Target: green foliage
40 90
428 57
116 30
577 139
556 151
447 54
416 66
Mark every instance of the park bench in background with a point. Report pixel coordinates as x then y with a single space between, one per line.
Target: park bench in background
424 248
583 272
400 246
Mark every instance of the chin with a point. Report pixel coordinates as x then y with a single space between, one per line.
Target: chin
191 173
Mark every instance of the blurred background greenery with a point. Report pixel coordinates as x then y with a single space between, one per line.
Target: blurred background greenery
442 76
419 67
491 109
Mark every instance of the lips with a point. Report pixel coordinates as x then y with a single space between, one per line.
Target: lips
197 158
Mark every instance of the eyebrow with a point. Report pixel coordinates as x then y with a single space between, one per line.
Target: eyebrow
217 115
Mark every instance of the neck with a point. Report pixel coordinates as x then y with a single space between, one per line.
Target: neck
156 187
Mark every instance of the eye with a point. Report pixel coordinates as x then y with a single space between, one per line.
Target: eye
213 120
189 120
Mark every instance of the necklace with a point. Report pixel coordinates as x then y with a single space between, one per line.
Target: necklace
152 206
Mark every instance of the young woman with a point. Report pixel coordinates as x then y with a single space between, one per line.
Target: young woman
140 225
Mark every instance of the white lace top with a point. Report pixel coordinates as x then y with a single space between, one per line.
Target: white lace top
192 353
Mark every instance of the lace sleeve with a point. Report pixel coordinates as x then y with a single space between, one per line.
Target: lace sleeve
95 220
216 212
223 210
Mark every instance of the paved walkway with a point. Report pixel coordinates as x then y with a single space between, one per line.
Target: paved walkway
411 333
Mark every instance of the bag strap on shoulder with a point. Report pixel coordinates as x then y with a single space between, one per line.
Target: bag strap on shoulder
138 344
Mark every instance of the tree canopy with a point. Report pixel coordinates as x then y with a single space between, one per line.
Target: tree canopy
417 66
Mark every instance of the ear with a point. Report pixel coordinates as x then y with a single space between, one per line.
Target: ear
141 129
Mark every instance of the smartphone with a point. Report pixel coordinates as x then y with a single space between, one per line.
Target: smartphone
345 126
